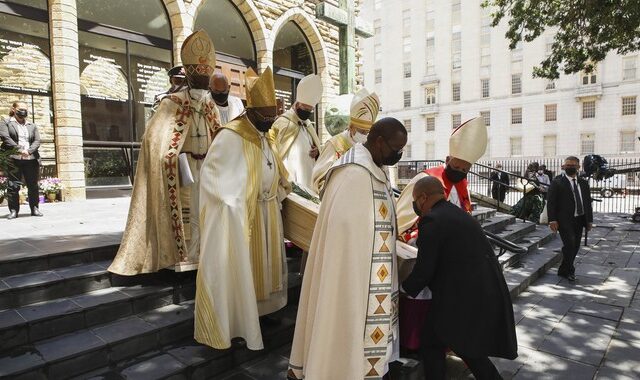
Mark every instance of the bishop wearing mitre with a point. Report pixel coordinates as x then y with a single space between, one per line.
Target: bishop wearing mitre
364 111
242 273
295 136
162 227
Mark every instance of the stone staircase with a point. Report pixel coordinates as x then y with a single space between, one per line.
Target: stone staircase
63 315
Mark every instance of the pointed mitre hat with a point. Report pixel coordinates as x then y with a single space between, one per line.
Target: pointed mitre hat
364 109
198 54
309 90
468 142
261 91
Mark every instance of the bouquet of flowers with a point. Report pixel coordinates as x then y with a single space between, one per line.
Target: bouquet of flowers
50 185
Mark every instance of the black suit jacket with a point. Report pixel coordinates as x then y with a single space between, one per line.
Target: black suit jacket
10 137
561 203
471 309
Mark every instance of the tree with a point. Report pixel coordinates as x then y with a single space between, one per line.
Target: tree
586 30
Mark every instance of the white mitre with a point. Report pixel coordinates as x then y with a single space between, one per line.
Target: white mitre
468 142
309 90
364 109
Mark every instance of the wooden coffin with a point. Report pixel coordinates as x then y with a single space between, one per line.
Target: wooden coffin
299 217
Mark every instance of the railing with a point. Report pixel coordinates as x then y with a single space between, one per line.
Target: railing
618 194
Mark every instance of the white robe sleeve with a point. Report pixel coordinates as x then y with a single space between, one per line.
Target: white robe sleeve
323 164
404 206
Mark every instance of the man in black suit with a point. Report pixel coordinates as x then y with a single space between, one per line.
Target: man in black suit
569 211
499 180
471 311
20 134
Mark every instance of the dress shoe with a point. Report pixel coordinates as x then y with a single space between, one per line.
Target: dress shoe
571 277
12 214
36 212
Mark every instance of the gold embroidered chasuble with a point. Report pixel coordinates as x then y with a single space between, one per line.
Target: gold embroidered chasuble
158 230
347 323
242 273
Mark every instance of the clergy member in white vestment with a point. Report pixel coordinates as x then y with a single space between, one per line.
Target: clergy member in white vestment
364 111
295 136
347 323
243 271
466 145
162 227
228 105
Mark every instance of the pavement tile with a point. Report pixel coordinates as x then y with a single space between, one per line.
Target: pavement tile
10 364
271 367
631 316
42 310
10 318
69 345
122 329
155 368
593 270
531 332
83 270
628 331
624 356
550 309
542 366
581 338
606 373
524 303
31 279
598 310
168 315
99 297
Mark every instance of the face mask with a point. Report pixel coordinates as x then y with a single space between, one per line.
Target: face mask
22 113
416 209
263 126
197 94
571 171
303 114
360 138
393 159
220 98
454 175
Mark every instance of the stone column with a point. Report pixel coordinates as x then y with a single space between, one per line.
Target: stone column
63 32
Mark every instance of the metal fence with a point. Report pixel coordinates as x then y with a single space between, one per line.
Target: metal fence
618 194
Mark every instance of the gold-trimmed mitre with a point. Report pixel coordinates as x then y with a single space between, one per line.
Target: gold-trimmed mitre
468 142
198 55
364 109
261 91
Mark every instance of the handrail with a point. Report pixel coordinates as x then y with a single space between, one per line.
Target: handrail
504 244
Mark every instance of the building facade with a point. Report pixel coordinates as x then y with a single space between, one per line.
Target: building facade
436 64
89 69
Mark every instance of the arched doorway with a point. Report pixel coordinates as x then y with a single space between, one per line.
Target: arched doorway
232 38
293 59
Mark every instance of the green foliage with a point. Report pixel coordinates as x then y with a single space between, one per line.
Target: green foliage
586 30
5 159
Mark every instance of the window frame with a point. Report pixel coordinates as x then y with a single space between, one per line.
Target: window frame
551 112
588 112
629 109
515 118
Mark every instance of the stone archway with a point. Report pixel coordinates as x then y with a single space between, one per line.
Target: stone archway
181 24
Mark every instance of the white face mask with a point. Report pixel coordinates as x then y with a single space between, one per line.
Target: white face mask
198 94
360 138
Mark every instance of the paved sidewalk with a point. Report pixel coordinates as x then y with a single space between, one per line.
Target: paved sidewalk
589 329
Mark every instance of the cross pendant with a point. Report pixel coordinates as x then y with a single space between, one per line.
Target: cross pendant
269 164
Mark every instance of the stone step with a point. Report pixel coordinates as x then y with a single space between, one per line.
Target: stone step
483 213
72 354
498 222
188 359
47 319
531 241
24 289
66 254
515 231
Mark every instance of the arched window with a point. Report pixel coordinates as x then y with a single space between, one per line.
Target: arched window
125 51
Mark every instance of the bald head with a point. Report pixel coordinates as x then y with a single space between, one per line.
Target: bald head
386 141
427 192
428 185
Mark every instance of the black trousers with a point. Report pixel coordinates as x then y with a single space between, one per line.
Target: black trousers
30 170
434 358
571 234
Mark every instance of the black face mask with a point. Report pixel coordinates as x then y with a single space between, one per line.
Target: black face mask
22 113
416 209
303 114
454 175
263 126
571 171
392 159
220 98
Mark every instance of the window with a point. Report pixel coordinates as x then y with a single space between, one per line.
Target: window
430 95
407 69
628 105
587 144
590 78
455 120
627 142
548 48
407 125
377 4
377 52
430 151
516 146
550 112
551 85
407 99
484 83
455 12
430 23
589 109
629 68
377 29
516 53
516 84
407 151
549 146
486 116
406 21
430 56
485 56
455 92
430 124
516 115
456 51
406 46
378 74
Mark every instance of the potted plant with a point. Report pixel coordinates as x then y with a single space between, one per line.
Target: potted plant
50 187
3 188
